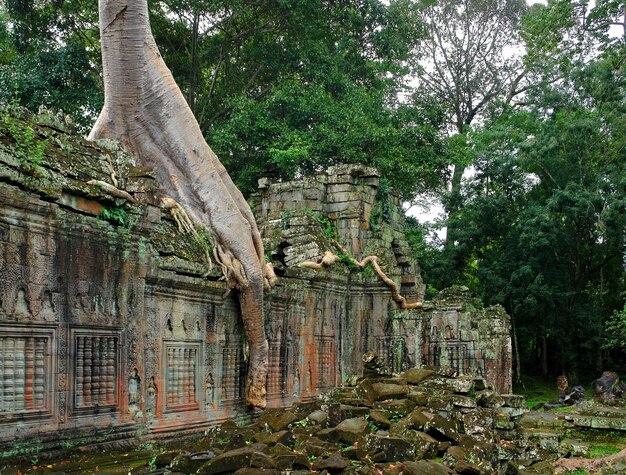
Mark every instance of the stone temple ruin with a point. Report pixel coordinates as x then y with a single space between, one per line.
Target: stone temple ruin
110 330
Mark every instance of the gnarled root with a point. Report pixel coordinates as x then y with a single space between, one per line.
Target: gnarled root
257 376
112 190
270 278
185 225
588 465
180 215
145 110
329 259
259 347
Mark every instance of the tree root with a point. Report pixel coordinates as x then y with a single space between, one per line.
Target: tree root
180 216
145 110
232 270
255 381
589 465
329 259
185 225
112 190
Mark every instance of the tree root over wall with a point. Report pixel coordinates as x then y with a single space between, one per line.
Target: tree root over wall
589 465
329 259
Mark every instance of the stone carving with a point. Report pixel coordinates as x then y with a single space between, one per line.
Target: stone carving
48 307
134 392
325 351
296 386
21 306
209 388
96 371
181 377
232 357
151 399
180 333
392 350
23 379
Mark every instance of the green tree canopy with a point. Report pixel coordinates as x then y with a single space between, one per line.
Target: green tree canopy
542 227
48 56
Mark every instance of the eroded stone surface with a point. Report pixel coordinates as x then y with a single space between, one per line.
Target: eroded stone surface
117 333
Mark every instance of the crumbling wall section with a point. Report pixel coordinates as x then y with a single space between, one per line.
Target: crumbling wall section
457 332
343 209
113 329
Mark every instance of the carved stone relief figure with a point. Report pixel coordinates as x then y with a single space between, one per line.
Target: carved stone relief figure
81 300
48 308
296 385
134 394
309 378
22 306
151 399
209 388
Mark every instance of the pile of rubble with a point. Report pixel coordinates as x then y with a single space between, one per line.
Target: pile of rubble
424 421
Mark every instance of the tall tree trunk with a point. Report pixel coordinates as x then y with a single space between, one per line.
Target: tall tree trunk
544 356
193 75
145 110
454 204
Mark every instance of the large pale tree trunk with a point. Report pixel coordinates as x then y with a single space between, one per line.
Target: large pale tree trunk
145 110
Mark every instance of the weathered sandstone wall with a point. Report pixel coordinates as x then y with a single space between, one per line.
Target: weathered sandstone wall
110 330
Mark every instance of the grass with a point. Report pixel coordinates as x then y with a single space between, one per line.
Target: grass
602 443
603 450
538 390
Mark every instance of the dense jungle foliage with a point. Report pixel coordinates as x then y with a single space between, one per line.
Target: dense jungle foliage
513 117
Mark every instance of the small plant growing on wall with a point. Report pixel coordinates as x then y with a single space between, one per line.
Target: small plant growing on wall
28 148
115 215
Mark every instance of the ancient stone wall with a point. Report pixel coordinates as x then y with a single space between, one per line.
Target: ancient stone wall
111 331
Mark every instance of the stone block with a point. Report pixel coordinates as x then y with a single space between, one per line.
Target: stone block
277 419
460 385
513 412
348 411
478 422
427 467
394 449
575 448
235 459
318 417
384 391
514 400
444 429
396 406
351 430
333 464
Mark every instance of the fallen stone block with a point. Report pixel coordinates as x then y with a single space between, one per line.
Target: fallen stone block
514 400
417 375
333 464
427 467
425 445
488 398
379 418
384 391
318 417
330 434
352 430
443 429
277 419
394 449
236 459
400 407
